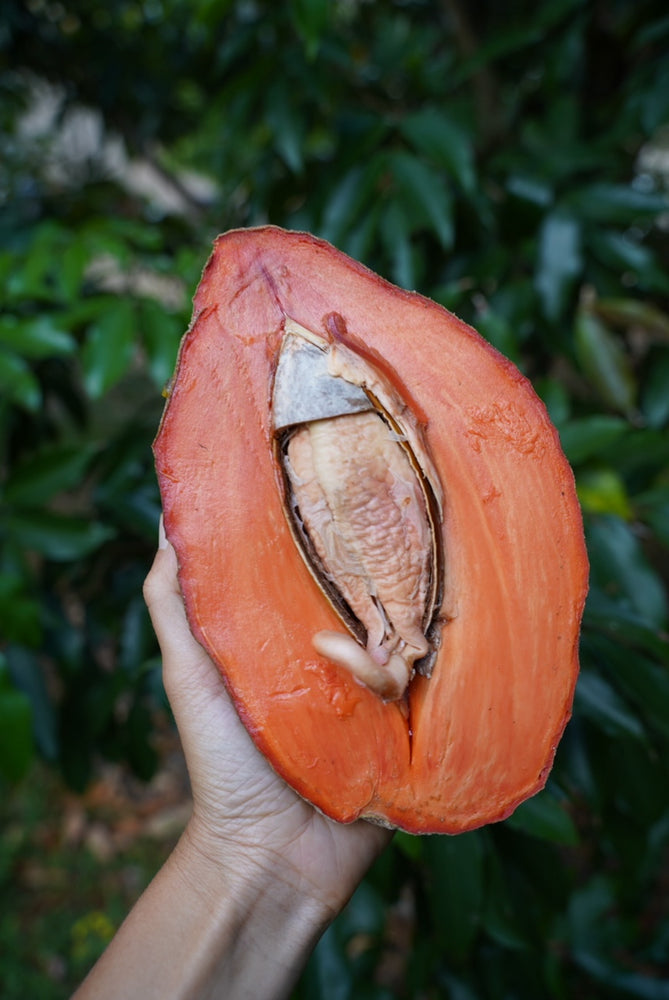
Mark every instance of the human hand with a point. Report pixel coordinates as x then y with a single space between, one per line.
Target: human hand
258 874
245 818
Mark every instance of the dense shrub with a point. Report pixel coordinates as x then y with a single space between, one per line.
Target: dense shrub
511 161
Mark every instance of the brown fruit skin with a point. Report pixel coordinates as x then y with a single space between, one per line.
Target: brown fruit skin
481 733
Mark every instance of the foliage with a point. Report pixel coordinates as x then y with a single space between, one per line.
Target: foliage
509 161
69 875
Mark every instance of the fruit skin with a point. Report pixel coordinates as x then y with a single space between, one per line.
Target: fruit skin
481 732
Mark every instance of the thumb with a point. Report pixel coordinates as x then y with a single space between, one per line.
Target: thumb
186 665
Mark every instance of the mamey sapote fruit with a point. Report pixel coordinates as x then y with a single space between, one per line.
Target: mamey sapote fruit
378 537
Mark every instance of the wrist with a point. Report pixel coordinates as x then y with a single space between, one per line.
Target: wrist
255 926
255 872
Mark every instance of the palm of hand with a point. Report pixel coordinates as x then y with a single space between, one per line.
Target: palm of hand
241 806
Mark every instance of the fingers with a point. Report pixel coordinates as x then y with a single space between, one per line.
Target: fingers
214 740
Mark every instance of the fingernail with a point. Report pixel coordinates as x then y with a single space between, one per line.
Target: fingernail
162 537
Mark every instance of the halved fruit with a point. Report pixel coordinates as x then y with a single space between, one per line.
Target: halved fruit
378 536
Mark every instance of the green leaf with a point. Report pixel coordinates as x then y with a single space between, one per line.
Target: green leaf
105 237
133 232
587 437
587 913
364 913
597 701
545 817
344 205
619 568
602 491
655 390
16 743
578 769
532 189
161 335
17 382
455 890
440 138
626 252
409 845
653 507
640 455
395 236
560 261
71 268
633 312
350 200
650 103
628 633
556 398
287 127
604 362
109 348
644 682
362 237
500 919
41 337
311 18
48 472
141 750
498 331
28 677
136 638
20 613
31 280
616 203
620 980
423 194
328 974
211 12
512 37
57 536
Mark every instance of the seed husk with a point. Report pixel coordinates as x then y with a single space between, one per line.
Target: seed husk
362 508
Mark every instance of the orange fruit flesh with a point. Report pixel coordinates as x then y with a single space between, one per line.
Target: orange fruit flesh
480 734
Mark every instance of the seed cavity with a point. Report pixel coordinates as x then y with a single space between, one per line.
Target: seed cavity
363 502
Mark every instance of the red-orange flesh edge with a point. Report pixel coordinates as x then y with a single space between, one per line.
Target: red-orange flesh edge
481 733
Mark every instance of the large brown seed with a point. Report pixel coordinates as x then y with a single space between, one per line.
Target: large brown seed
362 509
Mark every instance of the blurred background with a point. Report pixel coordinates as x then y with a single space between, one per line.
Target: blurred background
512 162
